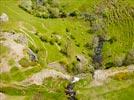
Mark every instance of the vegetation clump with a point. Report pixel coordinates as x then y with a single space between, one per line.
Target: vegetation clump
43 8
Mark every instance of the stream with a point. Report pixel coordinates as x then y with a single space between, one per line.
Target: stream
69 91
97 58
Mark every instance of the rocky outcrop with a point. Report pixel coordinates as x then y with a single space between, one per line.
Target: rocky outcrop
4 17
32 55
82 63
16 44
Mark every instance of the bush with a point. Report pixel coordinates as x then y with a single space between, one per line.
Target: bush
14 69
31 60
88 45
71 68
119 60
72 37
3 50
63 62
11 62
42 57
54 12
52 41
40 2
67 30
90 31
24 62
105 13
45 15
45 39
41 14
129 58
112 39
26 4
74 13
54 3
63 14
43 8
109 65
68 49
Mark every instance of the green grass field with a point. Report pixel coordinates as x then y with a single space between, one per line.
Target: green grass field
51 35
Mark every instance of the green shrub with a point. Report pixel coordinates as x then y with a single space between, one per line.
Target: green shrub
40 2
43 8
119 60
112 39
68 49
3 50
53 3
74 13
88 45
24 62
5 77
14 69
63 14
63 62
26 5
54 12
45 15
72 37
44 38
109 65
18 75
42 57
129 58
52 41
67 30
71 68
11 62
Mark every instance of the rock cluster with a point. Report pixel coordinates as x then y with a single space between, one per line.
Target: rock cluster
4 17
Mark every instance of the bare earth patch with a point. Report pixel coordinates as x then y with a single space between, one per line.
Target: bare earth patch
2 96
39 77
101 76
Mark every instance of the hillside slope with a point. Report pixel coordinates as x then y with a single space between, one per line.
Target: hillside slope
39 56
